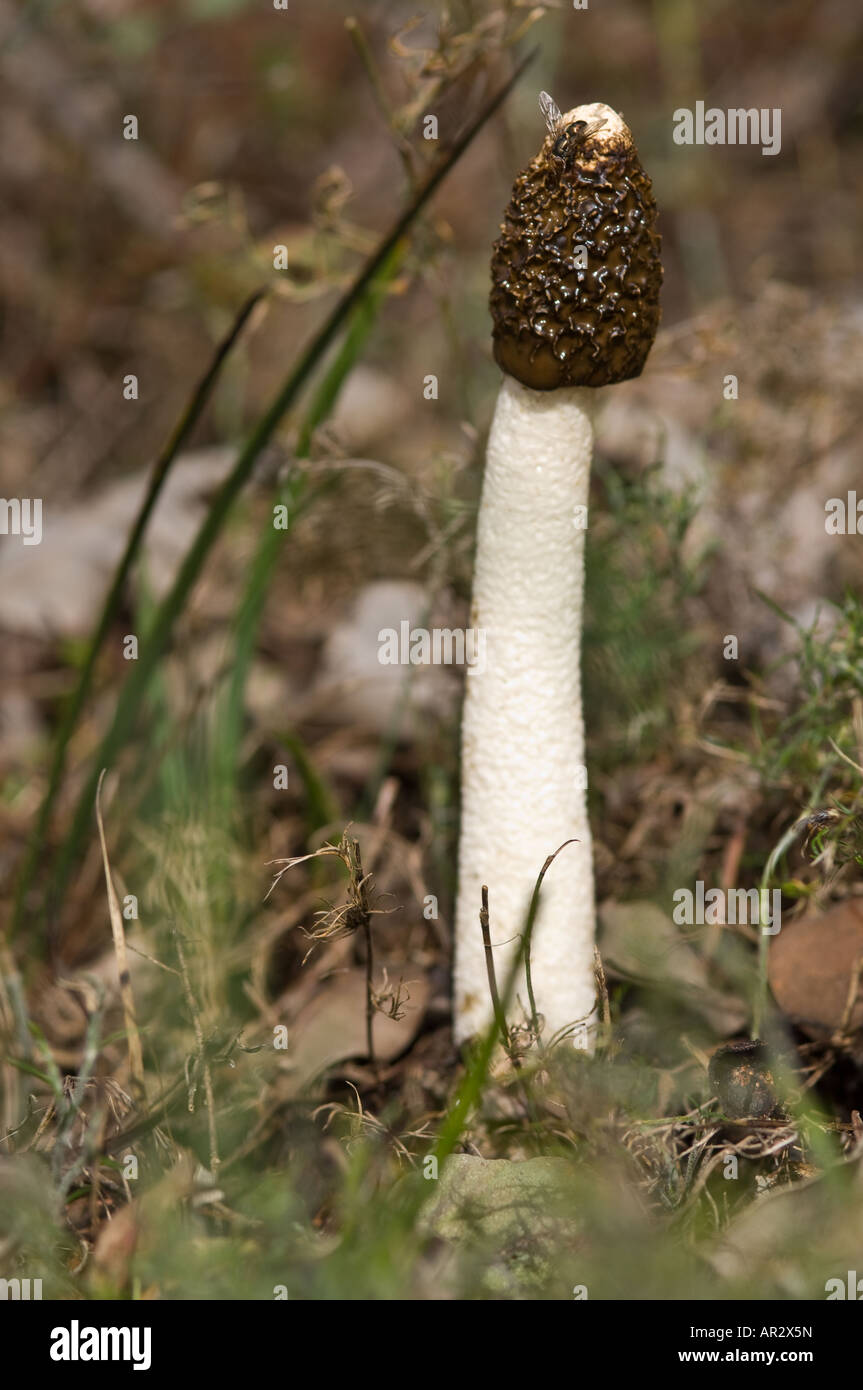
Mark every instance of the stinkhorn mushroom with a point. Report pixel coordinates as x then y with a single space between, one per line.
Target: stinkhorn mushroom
576 276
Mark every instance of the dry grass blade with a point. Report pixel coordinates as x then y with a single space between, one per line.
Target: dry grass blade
136 1058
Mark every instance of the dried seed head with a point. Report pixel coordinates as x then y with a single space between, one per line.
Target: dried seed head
576 272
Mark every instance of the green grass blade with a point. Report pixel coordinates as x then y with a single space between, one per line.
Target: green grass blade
157 640
72 714
296 496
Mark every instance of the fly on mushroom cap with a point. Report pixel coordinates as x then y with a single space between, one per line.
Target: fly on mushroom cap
576 272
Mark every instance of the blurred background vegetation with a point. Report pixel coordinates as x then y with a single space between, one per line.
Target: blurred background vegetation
259 1168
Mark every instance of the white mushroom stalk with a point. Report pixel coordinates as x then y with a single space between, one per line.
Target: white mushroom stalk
575 303
522 733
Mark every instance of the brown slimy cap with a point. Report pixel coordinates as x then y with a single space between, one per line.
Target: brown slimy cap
576 272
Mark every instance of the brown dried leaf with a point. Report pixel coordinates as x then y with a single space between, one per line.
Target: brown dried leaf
332 1026
811 964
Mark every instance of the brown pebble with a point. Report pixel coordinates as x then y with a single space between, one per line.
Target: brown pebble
810 967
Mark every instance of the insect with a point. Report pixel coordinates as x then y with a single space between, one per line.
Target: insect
819 819
816 824
567 137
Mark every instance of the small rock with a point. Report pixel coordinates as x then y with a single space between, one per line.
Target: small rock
357 687
513 1215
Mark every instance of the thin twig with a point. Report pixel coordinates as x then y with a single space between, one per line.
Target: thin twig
531 997
499 1014
528 932
845 757
851 1000
366 57
365 907
601 989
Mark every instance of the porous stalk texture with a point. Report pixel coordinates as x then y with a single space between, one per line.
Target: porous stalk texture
523 736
